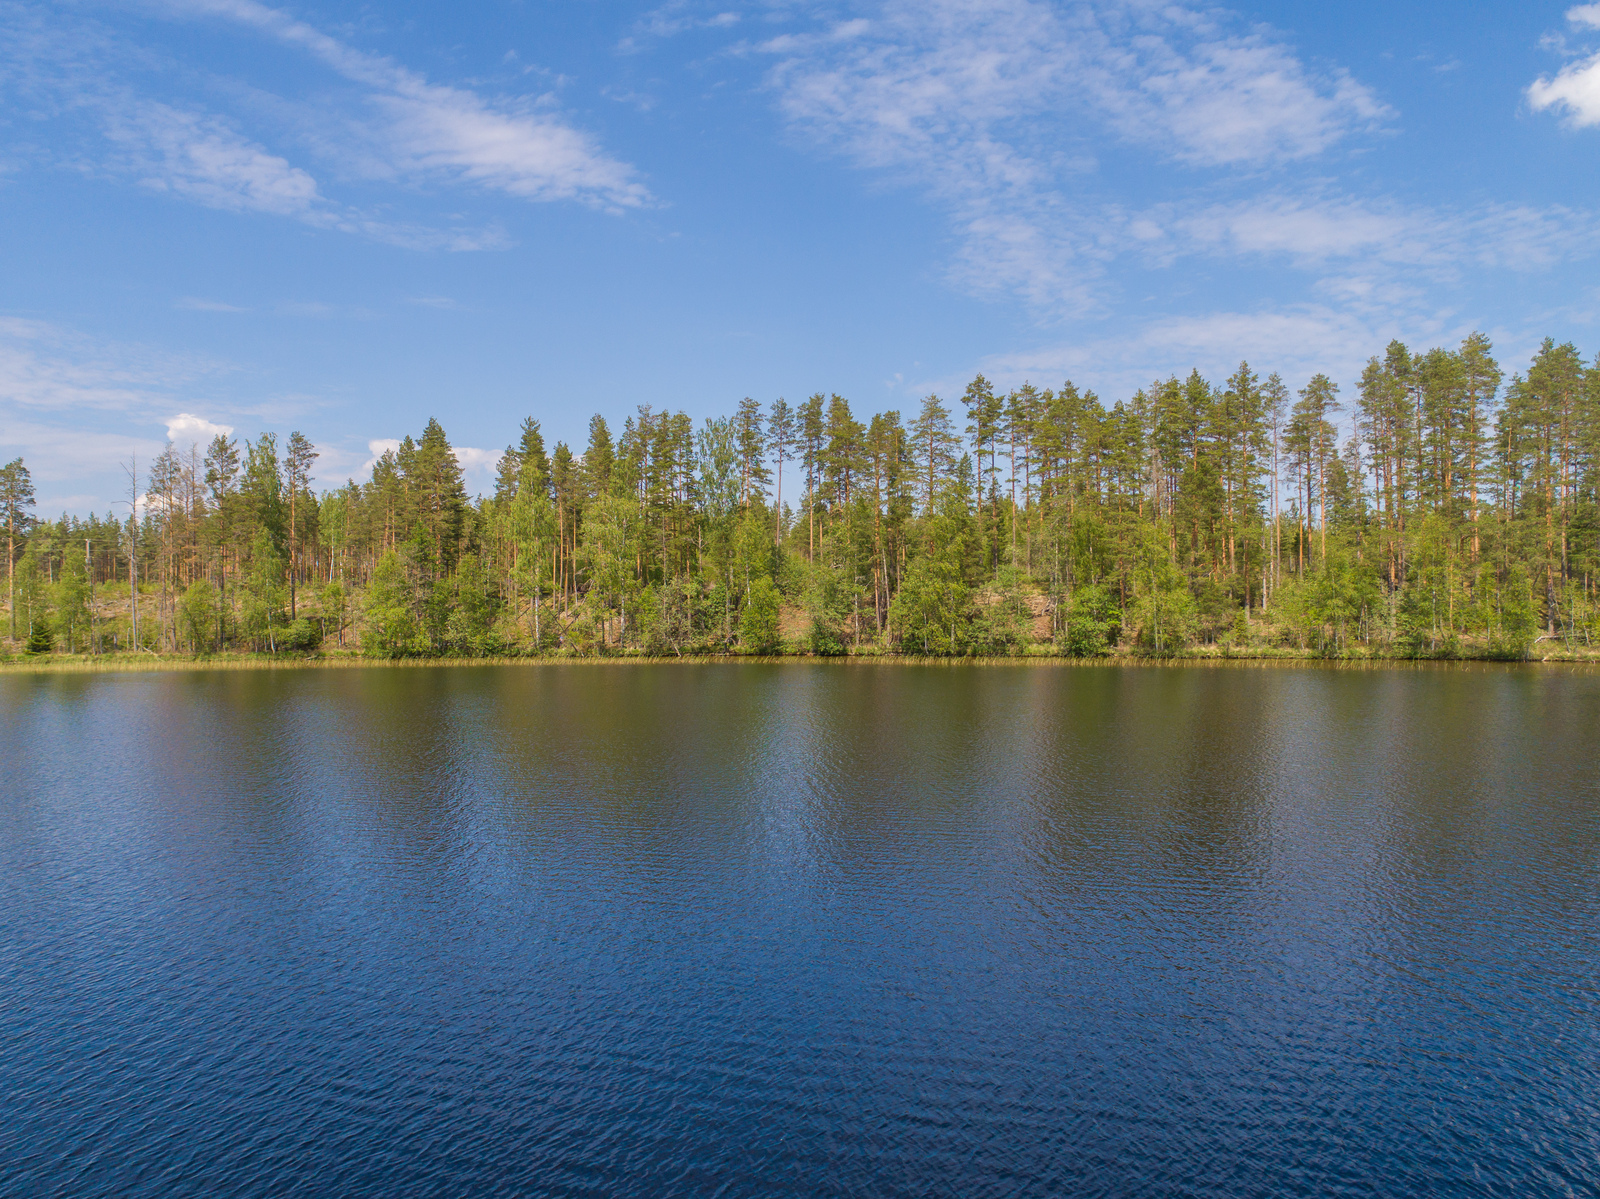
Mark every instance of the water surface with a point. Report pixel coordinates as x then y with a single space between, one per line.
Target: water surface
796 929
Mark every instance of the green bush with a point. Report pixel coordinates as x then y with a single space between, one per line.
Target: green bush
758 623
1093 624
302 635
39 639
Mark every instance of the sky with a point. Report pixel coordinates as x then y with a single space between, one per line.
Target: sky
342 218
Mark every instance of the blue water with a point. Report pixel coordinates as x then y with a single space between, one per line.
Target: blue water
800 930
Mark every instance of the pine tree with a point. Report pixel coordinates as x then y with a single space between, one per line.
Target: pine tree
1481 377
752 441
780 437
598 459
298 456
16 504
441 494
933 445
533 465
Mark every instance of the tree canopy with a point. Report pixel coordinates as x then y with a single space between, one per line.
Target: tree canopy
1435 508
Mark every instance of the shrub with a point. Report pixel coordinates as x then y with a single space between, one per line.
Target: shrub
39 639
758 623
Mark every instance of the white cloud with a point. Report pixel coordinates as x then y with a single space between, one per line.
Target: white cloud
63 460
994 108
203 159
1314 230
519 148
1296 342
472 459
378 447
1575 91
673 18
70 74
1584 16
188 428
53 370
76 408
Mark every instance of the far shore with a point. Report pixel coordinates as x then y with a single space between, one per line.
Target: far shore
146 662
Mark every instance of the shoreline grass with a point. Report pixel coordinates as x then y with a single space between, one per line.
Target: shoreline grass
125 663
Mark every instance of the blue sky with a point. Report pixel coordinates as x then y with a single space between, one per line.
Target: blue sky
346 218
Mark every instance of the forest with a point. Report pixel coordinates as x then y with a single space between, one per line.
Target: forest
1455 516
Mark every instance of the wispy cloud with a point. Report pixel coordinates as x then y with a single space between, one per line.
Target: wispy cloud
63 460
113 112
202 158
75 407
1584 16
1190 83
1317 230
999 110
675 17
520 147
49 369
1297 340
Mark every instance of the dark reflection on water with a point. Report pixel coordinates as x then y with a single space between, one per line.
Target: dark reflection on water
758 930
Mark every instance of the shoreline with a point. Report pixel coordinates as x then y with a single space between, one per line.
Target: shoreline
175 663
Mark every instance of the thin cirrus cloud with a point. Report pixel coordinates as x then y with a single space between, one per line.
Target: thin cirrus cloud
428 129
391 125
1295 341
202 158
1004 113
50 369
1574 91
1000 111
1316 231
77 408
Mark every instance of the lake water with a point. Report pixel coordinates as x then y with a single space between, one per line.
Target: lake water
756 930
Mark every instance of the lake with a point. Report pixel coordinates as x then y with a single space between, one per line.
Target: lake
801 929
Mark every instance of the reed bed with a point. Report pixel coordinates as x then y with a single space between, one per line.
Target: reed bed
147 663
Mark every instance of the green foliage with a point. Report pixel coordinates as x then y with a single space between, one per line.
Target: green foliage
264 594
300 635
1092 624
389 628
1460 519
1514 622
469 612
933 609
1003 622
1337 598
1163 611
197 613
827 603
69 600
39 639
758 622
334 604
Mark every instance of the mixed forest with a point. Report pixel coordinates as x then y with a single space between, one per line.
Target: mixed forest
1457 514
